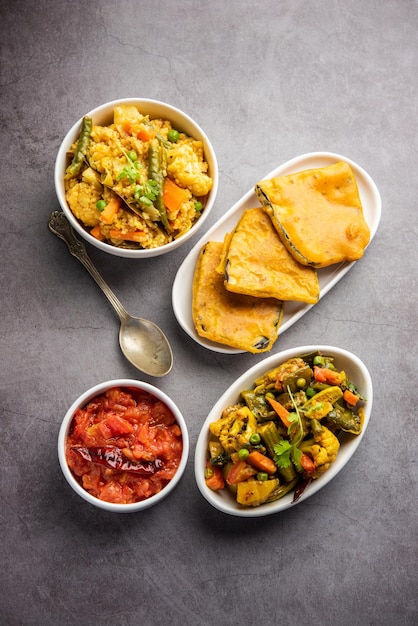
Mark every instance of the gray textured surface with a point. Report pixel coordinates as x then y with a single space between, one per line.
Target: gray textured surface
267 81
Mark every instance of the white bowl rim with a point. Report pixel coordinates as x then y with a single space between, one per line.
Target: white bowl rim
81 401
60 160
227 504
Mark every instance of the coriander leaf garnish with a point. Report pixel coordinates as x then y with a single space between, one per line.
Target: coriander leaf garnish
132 171
147 191
351 387
286 452
282 452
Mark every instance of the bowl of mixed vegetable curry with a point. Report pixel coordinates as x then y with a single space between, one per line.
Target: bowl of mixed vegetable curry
283 430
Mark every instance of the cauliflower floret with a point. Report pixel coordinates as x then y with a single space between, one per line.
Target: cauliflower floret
235 429
324 450
187 170
126 113
105 154
92 177
82 198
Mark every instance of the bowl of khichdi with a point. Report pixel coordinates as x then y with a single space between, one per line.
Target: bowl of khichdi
136 177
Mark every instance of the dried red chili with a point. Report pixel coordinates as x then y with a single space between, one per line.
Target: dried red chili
114 458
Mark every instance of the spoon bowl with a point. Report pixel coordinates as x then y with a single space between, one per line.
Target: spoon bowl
142 342
138 337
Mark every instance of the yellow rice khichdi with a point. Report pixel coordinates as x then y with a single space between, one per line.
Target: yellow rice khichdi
138 183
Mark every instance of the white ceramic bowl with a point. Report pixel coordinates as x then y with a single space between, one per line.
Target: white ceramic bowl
65 427
103 115
344 360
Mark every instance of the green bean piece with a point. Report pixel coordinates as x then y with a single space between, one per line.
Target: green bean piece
341 417
291 380
319 386
255 439
282 490
155 172
257 405
81 148
287 473
270 436
163 142
316 426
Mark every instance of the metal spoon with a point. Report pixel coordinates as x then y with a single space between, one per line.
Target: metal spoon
141 341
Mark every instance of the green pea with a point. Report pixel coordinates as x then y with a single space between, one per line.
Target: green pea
262 476
301 383
198 206
132 155
243 454
100 204
319 360
173 135
255 439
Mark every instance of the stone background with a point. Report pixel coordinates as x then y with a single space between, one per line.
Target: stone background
268 81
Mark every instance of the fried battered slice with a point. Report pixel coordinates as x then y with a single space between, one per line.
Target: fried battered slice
242 322
256 263
318 214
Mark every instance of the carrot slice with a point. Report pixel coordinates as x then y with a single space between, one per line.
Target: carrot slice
173 195
214 477
261 462
108 214
307 464
325 375
240 471
281 411
146 133
130 235
350 397
97 233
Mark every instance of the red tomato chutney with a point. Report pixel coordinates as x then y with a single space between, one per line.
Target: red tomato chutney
124 445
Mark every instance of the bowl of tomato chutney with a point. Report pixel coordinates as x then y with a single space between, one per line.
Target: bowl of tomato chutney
123 445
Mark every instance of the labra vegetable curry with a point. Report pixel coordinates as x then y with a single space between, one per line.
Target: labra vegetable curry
284 432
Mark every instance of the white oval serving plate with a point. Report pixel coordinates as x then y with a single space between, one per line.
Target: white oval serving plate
223 500
328 276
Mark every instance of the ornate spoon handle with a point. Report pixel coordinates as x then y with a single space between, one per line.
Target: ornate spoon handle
61 227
